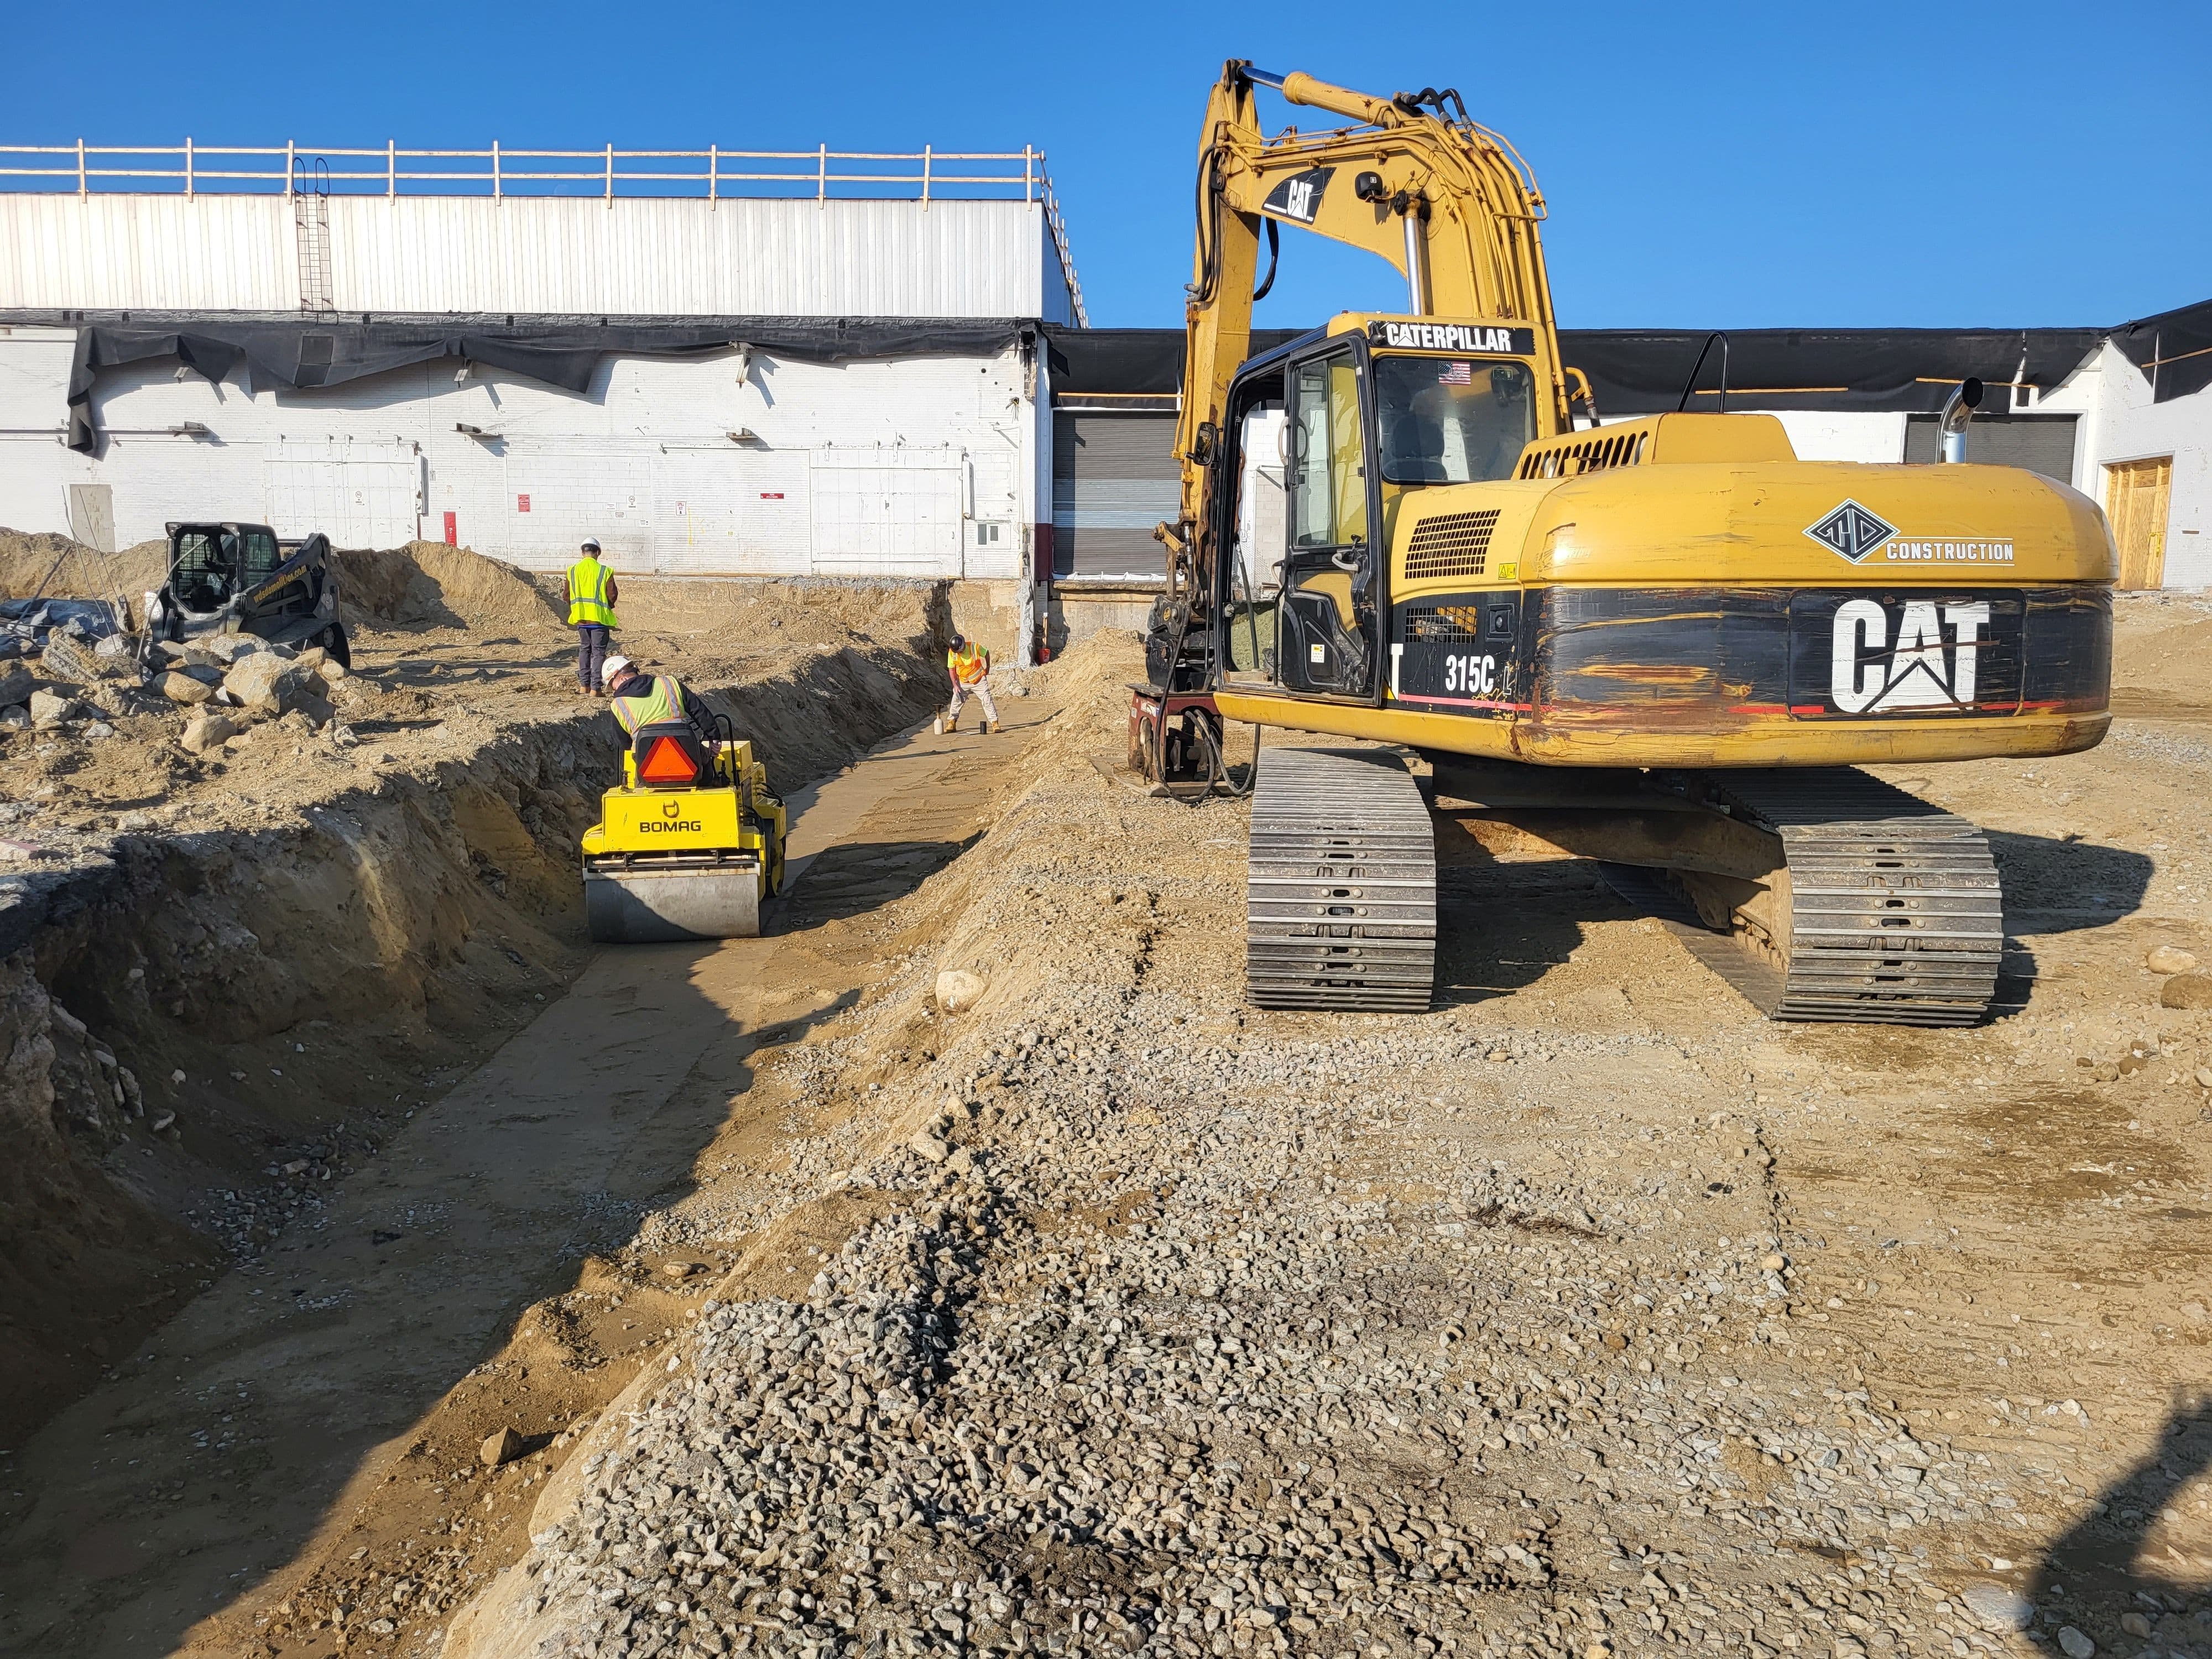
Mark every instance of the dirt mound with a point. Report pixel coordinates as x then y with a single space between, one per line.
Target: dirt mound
51 566
801 612
428 582
2161 660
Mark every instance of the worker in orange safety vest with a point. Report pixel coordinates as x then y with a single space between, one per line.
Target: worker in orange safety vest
969 667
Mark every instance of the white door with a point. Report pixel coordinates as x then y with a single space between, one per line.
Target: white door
887 513
730 511
359 495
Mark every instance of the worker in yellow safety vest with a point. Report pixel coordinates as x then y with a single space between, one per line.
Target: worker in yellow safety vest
592 595
969 665
637 699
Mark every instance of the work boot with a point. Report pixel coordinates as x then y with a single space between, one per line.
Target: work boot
990 727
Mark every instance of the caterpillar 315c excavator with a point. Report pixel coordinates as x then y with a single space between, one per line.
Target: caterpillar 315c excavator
1665 643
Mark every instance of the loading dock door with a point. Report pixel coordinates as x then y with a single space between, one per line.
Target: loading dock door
1113 477
358 495
2039 443
2137 495
887 513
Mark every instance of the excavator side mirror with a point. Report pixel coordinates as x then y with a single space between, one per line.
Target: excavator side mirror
1368 187
1202 446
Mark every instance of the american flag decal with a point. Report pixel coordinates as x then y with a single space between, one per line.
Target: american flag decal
1459 373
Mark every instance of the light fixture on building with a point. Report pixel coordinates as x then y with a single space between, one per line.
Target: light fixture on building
745 434
744 360
189 430
476 432
461 374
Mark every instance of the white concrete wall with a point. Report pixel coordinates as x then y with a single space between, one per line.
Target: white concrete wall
864 468
1852 436
634 257
2119 423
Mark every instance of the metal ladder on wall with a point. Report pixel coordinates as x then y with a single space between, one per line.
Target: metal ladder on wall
310 225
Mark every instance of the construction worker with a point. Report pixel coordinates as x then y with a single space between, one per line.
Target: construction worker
592 595
636 699
969 665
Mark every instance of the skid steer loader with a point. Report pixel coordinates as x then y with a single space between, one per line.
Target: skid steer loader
232 578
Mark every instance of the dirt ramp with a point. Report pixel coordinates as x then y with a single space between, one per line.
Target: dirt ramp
430 583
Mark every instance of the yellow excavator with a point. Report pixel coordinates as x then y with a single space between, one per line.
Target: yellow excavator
1664 643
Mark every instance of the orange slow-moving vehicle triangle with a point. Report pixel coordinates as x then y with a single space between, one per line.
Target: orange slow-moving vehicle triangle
667 763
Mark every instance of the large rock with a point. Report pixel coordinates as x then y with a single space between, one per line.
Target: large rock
2187 991
229 648
180 687
2165 959
16 684
270 684
319 711
958 988
206 732
51 708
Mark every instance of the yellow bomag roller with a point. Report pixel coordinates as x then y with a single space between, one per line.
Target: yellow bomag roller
689 848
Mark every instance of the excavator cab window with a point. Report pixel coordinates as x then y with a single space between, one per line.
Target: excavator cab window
1328 615
1452 420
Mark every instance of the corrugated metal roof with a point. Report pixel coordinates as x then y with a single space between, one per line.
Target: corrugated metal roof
628 257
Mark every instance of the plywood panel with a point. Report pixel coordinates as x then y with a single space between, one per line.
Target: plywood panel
2138 497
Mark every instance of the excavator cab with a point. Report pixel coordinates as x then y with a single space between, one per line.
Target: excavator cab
1356 431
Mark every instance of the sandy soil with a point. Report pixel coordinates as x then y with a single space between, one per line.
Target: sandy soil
286 944
1589 1313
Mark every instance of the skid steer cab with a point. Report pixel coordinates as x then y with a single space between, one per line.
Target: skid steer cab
689 846
232 577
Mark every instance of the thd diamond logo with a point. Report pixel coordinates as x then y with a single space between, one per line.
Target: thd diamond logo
1851 531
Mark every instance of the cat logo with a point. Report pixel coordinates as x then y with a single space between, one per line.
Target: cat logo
1298 198
1925 668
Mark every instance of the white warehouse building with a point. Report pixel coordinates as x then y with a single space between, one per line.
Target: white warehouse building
813 364
816 381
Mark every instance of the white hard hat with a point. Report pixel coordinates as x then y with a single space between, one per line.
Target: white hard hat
591 544
612 669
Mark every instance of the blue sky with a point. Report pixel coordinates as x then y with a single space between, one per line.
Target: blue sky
1925 164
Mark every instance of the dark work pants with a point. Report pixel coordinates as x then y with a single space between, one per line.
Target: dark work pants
591 652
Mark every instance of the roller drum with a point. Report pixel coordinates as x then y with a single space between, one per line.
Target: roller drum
644 905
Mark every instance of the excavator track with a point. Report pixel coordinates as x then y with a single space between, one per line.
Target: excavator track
1340 894
1896 915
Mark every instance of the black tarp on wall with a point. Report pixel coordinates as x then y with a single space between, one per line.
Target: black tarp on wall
1642 371
562 351
2173 349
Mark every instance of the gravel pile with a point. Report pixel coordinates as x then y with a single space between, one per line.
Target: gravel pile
1190 1336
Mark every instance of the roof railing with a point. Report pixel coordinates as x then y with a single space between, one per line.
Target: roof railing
194 169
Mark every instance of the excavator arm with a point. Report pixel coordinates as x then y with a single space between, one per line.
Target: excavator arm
1445 201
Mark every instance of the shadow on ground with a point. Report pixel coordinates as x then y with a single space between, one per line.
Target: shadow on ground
2134 1553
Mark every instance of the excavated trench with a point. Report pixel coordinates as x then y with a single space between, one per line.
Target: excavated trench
204 1032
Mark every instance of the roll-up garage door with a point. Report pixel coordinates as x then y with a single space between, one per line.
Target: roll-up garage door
1113 477
2040 443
